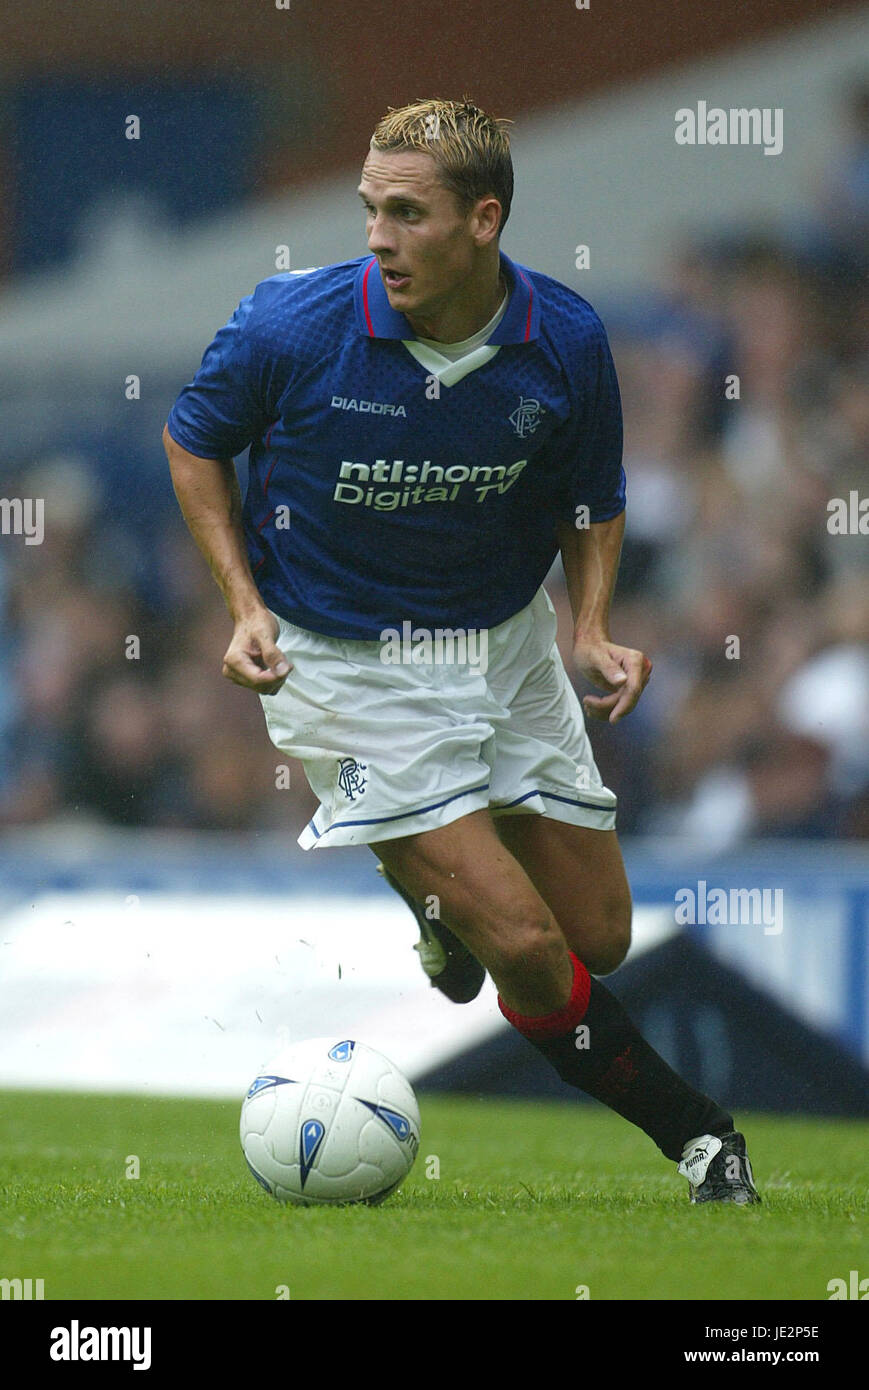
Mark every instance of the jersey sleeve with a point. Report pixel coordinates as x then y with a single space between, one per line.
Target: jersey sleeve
594 438
225 406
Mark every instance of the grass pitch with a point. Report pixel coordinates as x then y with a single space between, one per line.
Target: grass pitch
533 1201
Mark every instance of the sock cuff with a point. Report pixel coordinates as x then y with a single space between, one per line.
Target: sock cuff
545 1027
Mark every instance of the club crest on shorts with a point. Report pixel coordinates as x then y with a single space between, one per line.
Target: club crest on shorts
350 778
526 417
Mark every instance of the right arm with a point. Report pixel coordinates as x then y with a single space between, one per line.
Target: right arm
210 501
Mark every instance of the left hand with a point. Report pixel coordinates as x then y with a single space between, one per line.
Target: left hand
620 670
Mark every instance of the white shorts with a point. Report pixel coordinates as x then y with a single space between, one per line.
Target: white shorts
395 749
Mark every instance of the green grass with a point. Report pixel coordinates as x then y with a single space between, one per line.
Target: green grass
532 1201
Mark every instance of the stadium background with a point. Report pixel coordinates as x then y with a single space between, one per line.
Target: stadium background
162 928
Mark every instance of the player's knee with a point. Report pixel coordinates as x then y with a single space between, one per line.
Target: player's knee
615 942
531 943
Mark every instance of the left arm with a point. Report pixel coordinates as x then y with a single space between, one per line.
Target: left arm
591 561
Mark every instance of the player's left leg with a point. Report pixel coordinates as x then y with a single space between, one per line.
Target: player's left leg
580 875
488 903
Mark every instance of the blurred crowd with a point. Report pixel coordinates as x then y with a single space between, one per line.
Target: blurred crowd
745 384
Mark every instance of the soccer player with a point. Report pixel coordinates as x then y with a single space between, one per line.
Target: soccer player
429 425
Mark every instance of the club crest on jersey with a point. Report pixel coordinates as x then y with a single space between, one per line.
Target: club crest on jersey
367 407
350 778
526 417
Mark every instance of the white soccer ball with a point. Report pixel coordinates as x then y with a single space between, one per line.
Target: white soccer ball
330 1121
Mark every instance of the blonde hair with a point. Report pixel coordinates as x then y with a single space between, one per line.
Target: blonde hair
470 148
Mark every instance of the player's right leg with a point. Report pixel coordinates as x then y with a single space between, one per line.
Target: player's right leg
485 897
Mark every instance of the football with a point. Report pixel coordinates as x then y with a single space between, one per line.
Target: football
330 1121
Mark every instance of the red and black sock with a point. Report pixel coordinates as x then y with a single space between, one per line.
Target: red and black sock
594 1046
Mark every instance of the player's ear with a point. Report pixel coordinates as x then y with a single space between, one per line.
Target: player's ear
487 218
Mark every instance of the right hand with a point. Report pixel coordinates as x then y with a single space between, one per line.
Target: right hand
252 659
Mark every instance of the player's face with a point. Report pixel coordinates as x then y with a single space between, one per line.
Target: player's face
426 244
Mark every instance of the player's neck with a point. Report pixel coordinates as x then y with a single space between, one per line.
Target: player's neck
462 319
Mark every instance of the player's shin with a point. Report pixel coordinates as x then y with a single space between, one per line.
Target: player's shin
594 1046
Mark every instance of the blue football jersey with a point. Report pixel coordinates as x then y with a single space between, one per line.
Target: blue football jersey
383 488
